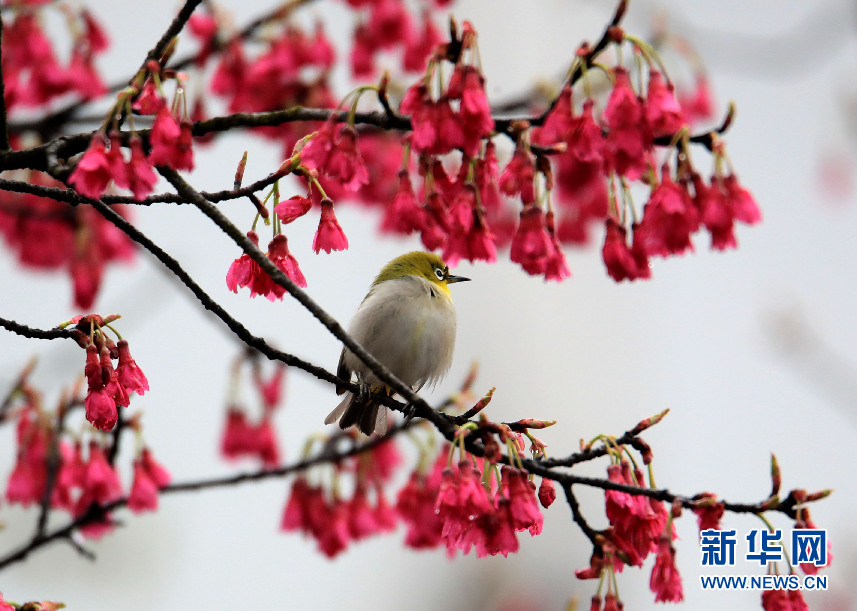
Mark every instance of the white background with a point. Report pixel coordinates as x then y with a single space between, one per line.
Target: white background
712 336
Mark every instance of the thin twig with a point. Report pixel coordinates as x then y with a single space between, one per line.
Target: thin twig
71 197
577 515
33 333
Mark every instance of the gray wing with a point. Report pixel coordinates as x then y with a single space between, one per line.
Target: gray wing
342 371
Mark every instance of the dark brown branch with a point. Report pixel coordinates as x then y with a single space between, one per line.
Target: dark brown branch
173 30
46 156
71 197
97 513
207 302
53 465
577 515
586 62
32 333
421 409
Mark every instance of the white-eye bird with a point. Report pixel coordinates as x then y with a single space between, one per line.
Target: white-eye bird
407 322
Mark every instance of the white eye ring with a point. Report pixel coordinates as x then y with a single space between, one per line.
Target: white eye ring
439 273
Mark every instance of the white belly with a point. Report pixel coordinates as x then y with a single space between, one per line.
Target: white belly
408 324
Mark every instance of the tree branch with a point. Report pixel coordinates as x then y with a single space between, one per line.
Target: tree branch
207 302
97 512
422 409
71 197
25 331
173 30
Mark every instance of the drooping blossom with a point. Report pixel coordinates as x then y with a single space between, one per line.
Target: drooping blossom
316 151
93 173
521 492
481 241
100 405
461 501
149 101
28 478
362 56
82 75
390 23
437 129
636 522
556 267
329 235
744 205
140 175
804 520
708 511
418 49
403 214
172 142
663 113
624 262
519 175
235 438
203 26
144 491
435 222
698 104
584 137
345 162
531 244
244 439
665 580
281 256
559 122
629 139
293 208
130 376
781 600
101 486
416 507
611 603
156 470
243 271
271 390
669 218
468 85
96 38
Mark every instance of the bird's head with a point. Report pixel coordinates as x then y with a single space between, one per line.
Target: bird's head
424 265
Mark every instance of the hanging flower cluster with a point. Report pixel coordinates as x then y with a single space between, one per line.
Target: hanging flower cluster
602 159
572 167
320 151
242 437
82 475
334 519
33 74
170 140
469 504
49 235
642 525
108 388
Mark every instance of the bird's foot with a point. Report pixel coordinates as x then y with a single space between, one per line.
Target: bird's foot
364 393
409 411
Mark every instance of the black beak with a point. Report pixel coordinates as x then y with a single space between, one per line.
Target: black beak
451 279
